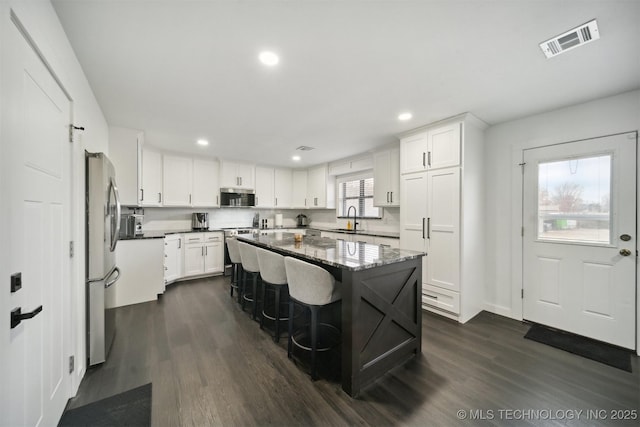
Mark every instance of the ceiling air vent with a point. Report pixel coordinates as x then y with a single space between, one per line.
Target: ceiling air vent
305 148
571 39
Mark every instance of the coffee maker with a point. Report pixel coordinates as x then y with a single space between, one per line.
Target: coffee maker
302 220
200 221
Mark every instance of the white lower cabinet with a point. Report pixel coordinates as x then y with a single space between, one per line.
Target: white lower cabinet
141 272
203 253
173 257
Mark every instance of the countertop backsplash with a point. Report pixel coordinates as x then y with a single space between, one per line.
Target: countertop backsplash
180 218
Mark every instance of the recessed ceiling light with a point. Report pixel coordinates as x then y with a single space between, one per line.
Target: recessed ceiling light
269 58
405 116
295 158
203 142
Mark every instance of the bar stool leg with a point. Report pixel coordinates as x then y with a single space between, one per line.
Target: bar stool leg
276 337
241 280
255 296
233 279
264 295
290 342
314 340
244 289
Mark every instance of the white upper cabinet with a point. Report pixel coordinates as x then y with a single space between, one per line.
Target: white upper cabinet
151 182
177 180
437 147
237 175
265 197
386 178
206 187
320 188
125 147
359 164
444 146
299 189
283 188
413 156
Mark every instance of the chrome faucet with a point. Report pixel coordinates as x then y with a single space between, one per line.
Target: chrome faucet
355 224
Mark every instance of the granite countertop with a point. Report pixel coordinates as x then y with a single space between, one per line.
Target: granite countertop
159 234
390 234
337 253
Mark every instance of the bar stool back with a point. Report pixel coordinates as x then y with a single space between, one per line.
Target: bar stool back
312 287
236 269
250 266
274 276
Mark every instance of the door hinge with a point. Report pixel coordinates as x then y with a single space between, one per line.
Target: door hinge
72 364
71 129
71 249
522 293
522 231
522 166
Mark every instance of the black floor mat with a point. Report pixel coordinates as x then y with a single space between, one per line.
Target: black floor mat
585 347
130 408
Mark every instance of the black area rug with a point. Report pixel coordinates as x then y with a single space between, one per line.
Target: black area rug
585 347
130 408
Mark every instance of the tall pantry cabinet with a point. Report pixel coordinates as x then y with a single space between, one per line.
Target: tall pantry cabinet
441 212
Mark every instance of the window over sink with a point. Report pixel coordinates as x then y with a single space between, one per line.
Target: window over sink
357 191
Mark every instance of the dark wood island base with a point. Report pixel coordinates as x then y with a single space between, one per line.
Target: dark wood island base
381 301
381 321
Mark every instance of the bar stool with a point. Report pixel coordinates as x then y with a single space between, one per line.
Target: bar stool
251 267
274 276
314 288
236 267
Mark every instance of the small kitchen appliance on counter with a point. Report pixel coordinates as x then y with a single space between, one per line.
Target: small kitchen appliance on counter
302 220
130 225
200 221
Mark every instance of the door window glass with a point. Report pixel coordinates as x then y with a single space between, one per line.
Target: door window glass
574 202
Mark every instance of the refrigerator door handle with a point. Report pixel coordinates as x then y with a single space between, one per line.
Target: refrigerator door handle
115 217
108 283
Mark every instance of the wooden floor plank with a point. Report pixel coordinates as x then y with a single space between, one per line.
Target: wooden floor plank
210 364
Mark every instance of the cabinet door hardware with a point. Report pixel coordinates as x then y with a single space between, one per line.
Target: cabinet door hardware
159 197
431 296
423 228
141 194
429 158
391 193
423 159
387 197
206 251
202 251
276 201
179 243
189 198
217 200
428 228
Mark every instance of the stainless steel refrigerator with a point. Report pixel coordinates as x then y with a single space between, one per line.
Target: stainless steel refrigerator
103 228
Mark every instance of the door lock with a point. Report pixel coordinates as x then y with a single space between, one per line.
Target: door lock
18 316
625 252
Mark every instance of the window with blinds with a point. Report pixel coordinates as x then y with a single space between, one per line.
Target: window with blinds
357 192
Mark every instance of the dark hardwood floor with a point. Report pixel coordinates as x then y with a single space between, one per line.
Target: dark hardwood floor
210 364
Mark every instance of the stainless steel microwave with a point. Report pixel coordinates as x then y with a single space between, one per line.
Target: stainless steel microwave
236 197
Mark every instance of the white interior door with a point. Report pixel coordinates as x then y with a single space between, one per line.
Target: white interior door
579 249
35 141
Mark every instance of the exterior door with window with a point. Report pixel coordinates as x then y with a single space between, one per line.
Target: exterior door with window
579 248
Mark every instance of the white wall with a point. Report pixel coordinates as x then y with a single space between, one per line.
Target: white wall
504 145
41 23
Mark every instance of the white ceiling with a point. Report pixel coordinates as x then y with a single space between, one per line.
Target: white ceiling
182 70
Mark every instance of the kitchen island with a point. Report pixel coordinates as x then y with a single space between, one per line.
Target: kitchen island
381 300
